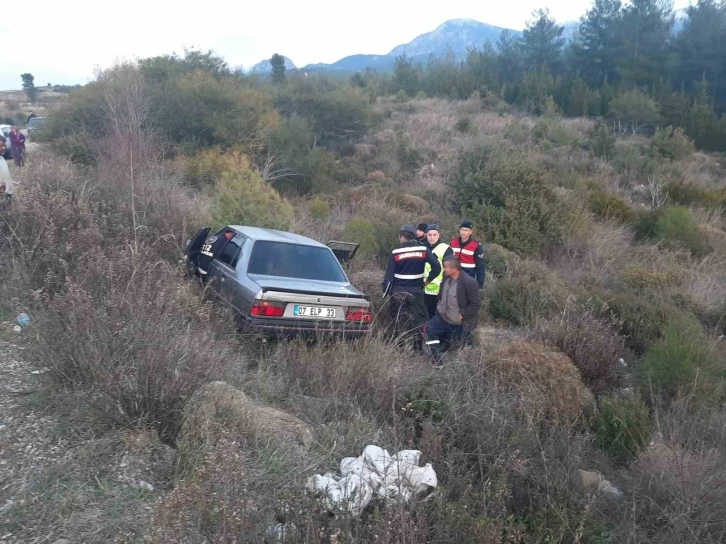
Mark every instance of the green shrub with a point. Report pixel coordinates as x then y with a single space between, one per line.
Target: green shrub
639 278
464 125
548 130
292 138
361 231
622 427
690 193
634 110
319 209
683 362
386 234
521 301
338 113
541 131
321 169
610 206
641 323
303 168
206 166
633 161
673 226
671 143
401 96
200 109
517 132
677 226
190 106
498 260
409 158
510 199
602 142
242 197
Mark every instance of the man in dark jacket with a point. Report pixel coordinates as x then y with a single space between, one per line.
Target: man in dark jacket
404 281
470 253
457 313
210 250
421 233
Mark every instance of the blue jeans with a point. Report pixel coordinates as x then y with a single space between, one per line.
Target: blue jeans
435 329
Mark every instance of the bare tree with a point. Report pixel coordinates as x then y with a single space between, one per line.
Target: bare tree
128 144
658 195
273 171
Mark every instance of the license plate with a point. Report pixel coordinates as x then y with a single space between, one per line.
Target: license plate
314 311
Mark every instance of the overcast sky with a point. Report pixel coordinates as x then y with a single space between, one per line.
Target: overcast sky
61 42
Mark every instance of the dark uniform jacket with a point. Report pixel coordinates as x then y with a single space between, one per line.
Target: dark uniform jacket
211 248
405 271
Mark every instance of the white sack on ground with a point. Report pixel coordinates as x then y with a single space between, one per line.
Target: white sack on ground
375 472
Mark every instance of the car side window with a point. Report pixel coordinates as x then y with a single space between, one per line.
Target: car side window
231 251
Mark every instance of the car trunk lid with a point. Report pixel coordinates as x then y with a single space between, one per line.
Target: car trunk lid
311 299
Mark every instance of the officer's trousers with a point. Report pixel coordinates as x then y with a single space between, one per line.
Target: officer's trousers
409 315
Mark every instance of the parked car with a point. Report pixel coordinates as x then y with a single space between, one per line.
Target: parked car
35 123
282 284
5 132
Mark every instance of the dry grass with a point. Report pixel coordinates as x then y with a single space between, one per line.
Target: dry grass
545 382
142 349
678 484
497 423
592 345
366 375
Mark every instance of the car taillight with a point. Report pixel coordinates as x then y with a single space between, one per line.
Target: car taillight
265 308
358 314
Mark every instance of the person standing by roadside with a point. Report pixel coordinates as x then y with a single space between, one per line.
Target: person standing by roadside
17 146
441 250
5 180
421 233
405 281
470 253
457 313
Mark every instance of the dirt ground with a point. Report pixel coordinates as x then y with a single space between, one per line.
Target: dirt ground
58 480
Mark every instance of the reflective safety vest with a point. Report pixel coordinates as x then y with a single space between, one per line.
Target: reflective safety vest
434 287
465 254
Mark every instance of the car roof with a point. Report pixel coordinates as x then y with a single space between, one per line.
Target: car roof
271 235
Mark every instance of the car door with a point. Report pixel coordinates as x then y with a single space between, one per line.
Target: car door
224 271
343 251
194 247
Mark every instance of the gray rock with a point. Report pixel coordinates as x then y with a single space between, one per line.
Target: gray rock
591 482
240 412
144 485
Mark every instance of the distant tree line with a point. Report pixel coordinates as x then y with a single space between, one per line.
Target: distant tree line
625 62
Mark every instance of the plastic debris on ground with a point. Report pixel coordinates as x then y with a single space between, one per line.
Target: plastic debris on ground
376 473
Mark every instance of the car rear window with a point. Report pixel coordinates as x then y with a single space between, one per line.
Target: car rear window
294 261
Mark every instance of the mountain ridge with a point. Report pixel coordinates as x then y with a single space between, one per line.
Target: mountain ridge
457 35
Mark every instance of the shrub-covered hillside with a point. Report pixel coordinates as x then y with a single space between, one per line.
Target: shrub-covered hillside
600 356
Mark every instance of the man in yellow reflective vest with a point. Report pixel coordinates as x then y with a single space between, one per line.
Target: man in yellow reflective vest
441 251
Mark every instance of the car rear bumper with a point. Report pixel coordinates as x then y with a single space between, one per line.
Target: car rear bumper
283 328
